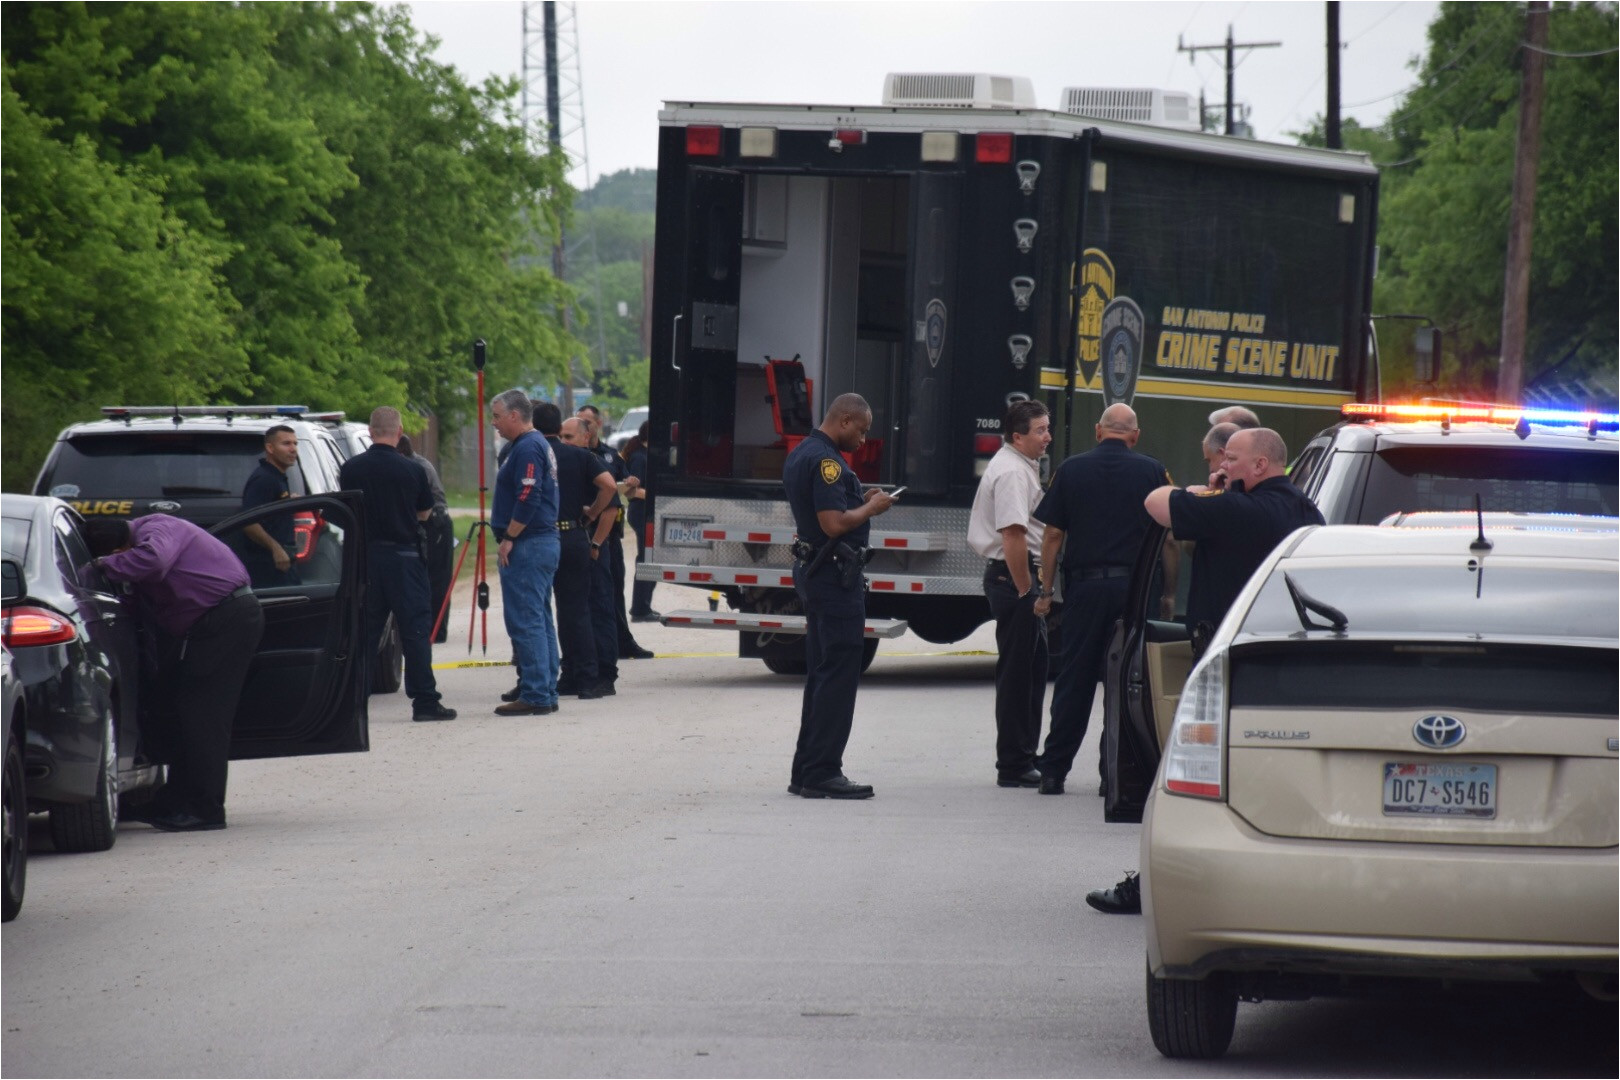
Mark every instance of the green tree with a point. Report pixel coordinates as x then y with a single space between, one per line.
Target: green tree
282 201
1447 187
103 290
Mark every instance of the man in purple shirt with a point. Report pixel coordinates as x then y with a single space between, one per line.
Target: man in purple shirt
194 591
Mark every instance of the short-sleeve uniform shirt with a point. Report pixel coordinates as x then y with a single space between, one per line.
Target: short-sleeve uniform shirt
1235 531
1096 499
577 470
267 484
818 478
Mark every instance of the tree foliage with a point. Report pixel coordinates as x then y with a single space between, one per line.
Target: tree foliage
290 202
1447 154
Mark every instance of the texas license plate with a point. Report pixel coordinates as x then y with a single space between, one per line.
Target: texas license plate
685 531
1440 789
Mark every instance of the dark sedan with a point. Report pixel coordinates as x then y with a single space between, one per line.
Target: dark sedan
77 661
15 819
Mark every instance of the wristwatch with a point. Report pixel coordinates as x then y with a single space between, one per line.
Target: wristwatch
595 546
1043 592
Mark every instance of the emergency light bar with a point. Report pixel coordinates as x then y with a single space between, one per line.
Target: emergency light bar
1490 414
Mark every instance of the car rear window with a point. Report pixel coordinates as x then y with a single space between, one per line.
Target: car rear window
150 464
14 537
1520 479
1553 600
1383 675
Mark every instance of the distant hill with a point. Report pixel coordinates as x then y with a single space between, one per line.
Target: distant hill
634 190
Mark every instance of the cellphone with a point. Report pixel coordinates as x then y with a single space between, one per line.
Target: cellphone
897 492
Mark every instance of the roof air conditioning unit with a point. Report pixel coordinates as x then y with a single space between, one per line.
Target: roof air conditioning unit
1161 108
959 91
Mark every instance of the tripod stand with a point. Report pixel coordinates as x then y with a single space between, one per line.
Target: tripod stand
480 529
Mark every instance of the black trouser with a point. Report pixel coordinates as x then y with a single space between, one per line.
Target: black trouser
641 592
572 589
441 550
603 628
1021 662
1091 607
834 643
205 672
613 550
397 581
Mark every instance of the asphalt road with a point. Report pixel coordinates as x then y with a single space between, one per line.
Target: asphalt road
626 889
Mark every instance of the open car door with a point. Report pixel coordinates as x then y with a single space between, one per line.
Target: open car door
306 690
1148 663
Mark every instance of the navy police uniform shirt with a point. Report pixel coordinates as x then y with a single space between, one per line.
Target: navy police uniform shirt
266 484
1096 499
577 470
1235 531
395 489
817 478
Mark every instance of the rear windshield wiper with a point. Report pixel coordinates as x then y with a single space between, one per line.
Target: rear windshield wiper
1304 603
187 489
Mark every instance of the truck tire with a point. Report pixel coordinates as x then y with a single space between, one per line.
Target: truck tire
1191 1018
389 671
93 825
16 832
790 661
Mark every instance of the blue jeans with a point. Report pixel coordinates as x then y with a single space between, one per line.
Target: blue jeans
526 604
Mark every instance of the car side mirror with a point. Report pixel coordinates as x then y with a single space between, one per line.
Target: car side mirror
1426 360
12 585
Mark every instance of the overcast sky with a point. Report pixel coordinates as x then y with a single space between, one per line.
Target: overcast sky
634 56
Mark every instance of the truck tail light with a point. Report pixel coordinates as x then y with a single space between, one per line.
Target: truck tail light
1195 759
984 448
850 136
703 142
24 626
993 148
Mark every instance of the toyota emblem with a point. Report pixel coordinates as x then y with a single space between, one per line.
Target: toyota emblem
1439 732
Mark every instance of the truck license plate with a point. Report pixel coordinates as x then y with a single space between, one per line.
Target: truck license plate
685 531
1440 789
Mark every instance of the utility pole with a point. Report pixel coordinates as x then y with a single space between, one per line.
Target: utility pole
1521 219
1229 48
1330 123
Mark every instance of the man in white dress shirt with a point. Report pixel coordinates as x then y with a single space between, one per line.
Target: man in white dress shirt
1003 530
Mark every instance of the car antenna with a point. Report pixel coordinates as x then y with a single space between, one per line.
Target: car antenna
1480 544
1304 603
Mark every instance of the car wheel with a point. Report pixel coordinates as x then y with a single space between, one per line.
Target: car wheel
93 825
390 670
1191 1018
16 832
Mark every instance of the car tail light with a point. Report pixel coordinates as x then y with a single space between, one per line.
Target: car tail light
306 527
1195 760
993 148
703 142
35 626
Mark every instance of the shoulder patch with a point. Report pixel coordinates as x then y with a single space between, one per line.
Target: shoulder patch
831 470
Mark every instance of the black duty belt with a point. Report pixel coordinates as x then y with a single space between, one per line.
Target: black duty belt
1001 564
1095 573
564 526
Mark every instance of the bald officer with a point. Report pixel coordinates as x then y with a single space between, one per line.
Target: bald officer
832 518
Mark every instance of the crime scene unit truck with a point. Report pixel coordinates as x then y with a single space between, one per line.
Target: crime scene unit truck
944 254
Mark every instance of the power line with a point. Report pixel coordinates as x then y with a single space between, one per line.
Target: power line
1392 10
1567 55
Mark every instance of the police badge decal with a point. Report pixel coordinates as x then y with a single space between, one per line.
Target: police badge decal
934 330
830 471
1121 349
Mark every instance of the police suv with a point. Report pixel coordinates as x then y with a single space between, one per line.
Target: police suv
192 462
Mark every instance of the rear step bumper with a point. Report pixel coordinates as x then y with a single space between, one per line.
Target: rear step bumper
768 624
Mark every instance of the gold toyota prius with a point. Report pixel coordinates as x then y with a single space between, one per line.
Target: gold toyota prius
1397 759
